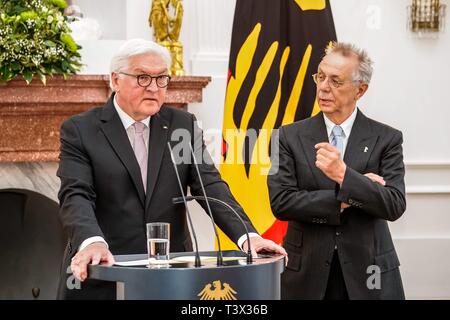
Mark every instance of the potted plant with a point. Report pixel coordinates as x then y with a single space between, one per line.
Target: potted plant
35 40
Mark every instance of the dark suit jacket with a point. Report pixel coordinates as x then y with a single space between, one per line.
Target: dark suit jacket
102 192
301 194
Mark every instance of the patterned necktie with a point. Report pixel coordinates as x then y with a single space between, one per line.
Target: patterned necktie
140 150
337 139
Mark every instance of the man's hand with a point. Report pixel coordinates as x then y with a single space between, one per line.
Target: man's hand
344 205
260 244
376 178
94 253
328 160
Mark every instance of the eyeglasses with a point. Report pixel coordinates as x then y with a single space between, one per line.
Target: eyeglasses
144 80
334 82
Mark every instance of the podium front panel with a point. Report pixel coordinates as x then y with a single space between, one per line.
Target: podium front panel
235 281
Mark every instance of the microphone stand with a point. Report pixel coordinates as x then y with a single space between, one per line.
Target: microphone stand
201 198
197 255
219 249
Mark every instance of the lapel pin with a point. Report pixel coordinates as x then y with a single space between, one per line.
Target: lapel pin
165 127
365 149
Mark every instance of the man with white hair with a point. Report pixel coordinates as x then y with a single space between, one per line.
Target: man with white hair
340 178
116 173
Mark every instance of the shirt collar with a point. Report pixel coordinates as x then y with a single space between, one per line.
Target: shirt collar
128 121
346 125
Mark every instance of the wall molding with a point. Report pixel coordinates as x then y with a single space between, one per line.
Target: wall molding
415 164
430 177
428 190
425 238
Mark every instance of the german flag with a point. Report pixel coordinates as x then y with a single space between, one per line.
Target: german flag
276 46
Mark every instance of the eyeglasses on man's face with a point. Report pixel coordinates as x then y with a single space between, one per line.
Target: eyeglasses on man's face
144 80
332 81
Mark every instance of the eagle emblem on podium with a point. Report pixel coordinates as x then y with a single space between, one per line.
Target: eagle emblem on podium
215 291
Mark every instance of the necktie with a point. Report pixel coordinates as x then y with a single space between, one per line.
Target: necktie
337 139
140 150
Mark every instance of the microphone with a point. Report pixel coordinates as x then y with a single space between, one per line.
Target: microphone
223 203
219 249
183 199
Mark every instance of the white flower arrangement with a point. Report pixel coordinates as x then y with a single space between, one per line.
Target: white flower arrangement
35 40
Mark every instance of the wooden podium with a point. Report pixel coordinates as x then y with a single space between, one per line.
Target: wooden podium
235 280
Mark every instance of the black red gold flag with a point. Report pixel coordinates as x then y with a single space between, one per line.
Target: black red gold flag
276 46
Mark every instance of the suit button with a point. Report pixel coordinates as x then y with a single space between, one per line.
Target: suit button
338 233
327 264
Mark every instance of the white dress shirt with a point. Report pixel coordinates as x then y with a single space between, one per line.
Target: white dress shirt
128 122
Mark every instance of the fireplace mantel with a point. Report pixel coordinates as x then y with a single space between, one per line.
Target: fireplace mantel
31 115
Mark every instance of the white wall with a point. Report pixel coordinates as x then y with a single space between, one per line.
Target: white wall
408 91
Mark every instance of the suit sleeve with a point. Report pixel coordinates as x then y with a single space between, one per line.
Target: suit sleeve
217 188
76 195
386 202
287 200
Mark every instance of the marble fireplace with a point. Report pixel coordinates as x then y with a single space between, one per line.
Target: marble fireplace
31 115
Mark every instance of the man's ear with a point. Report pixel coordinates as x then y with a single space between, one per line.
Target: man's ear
361 90
115 81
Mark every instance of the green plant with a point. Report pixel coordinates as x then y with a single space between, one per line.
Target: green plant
35 40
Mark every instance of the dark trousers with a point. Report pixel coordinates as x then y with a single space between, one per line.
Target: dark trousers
336 289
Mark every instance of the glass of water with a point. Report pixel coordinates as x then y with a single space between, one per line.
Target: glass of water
158 243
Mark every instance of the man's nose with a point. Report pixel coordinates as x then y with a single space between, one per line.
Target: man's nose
152 86
324 85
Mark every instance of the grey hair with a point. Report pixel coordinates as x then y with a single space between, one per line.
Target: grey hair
134 47
365 68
